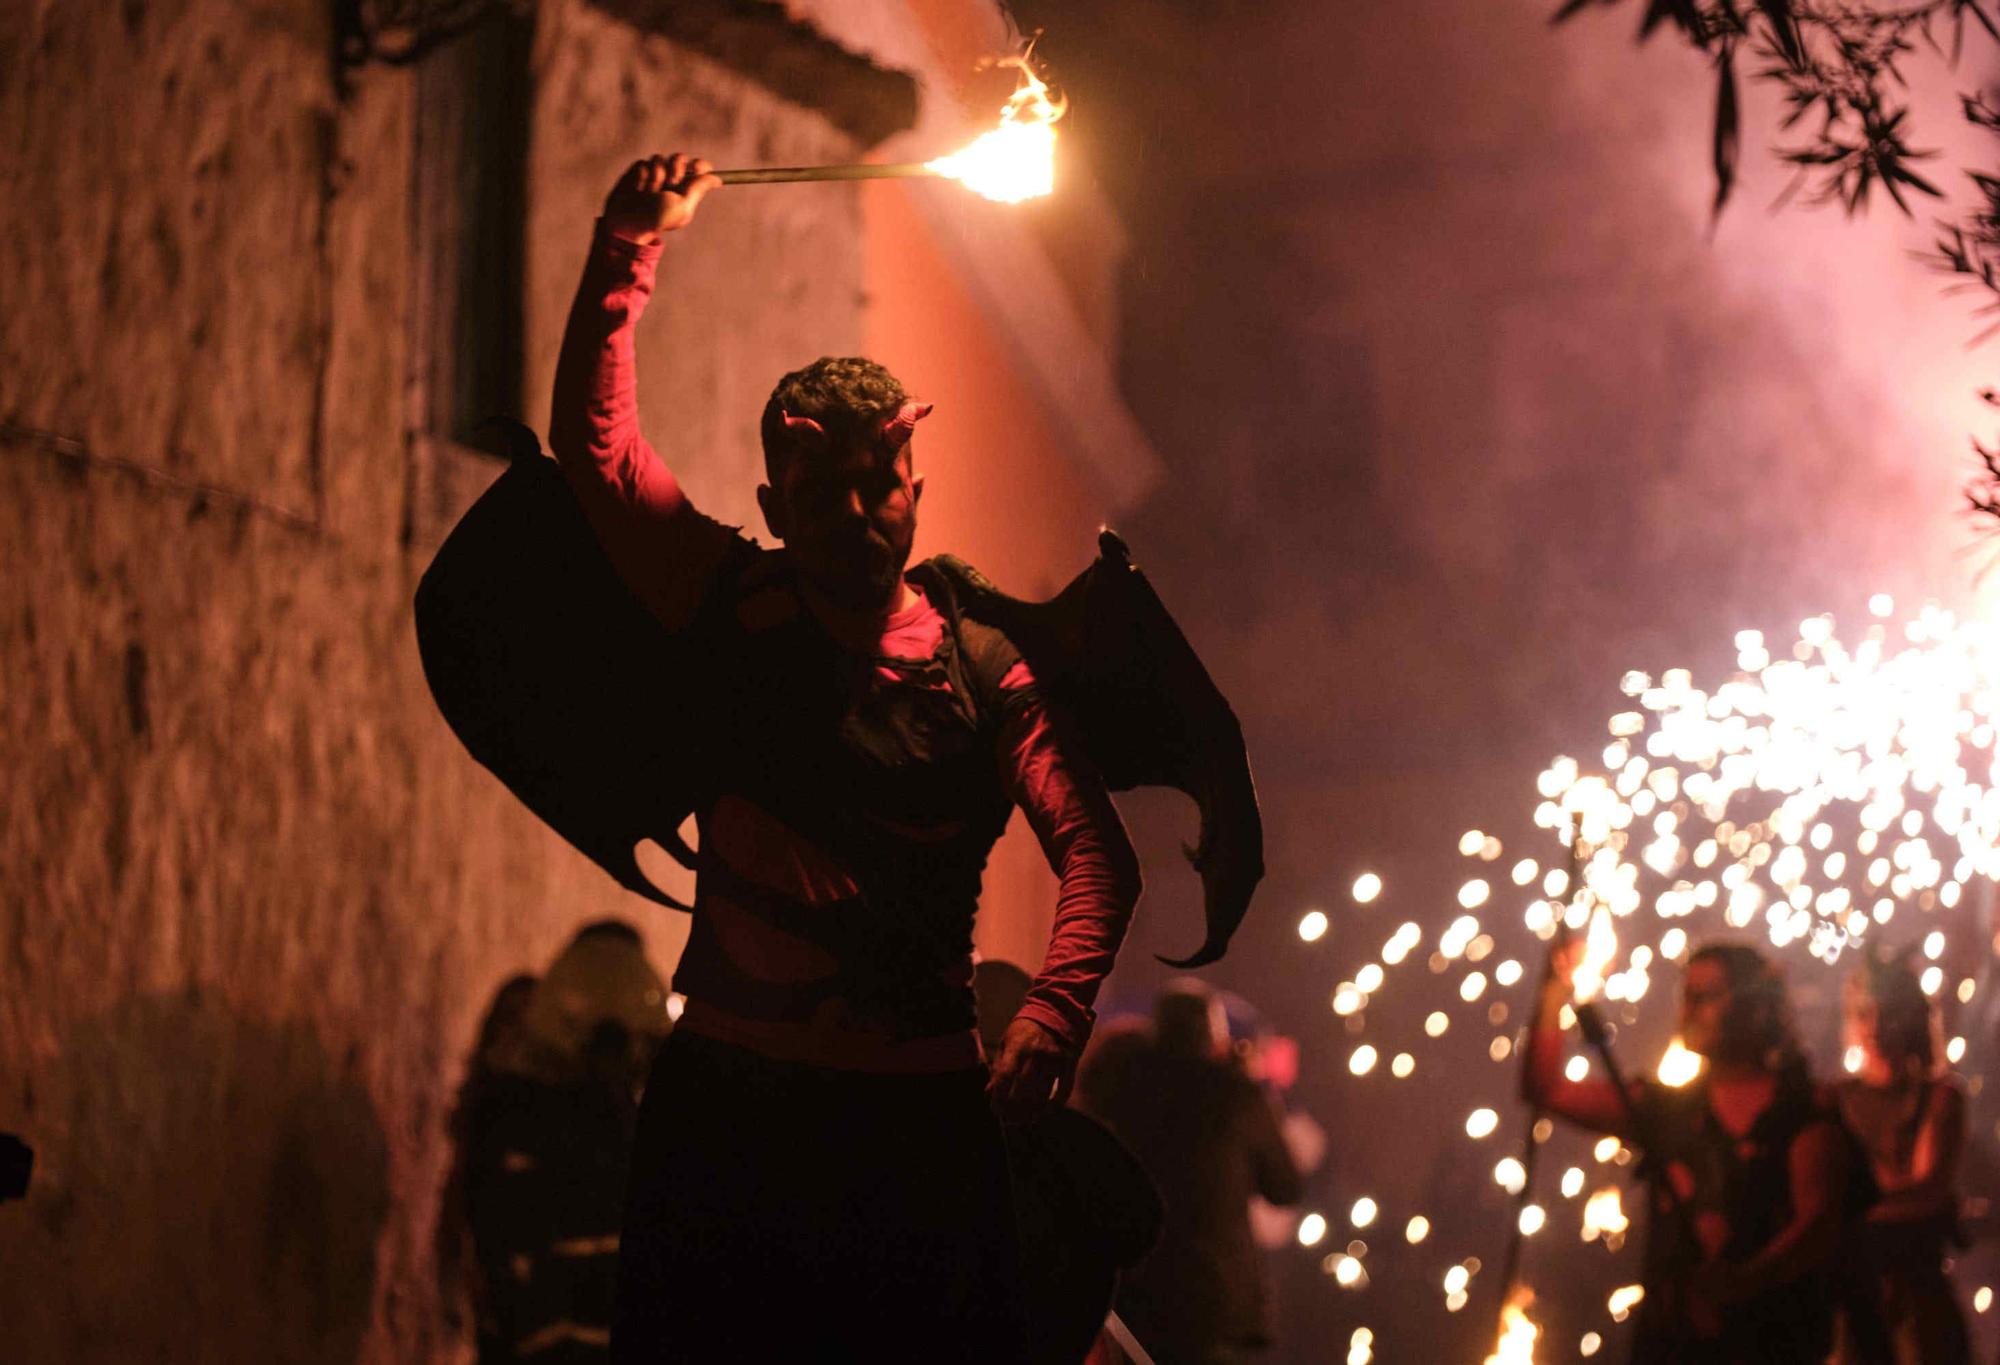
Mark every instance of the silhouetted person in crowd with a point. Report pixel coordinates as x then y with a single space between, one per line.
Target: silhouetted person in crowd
1272 1060
548 1141
1908 1113
820 1172
1177 1093
1747 1166
457 1262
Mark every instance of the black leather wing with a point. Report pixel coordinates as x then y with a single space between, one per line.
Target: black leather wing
555 677
560 683
1108 650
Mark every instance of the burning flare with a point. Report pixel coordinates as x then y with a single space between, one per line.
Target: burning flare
1017 160
1600 947
1604 1216
1516 1345
1678 1066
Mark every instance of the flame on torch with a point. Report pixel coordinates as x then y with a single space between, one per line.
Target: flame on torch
1014 161
1017 160
1604 1216
1600 947
1518 1332
1678 1066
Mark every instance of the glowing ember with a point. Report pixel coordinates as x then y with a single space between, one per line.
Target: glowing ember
1017 160
1678 1066
1604 1215
1600 947
1623 1300
1516 1345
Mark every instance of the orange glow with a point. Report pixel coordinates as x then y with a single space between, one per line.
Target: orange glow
1518 1332
1678 1066
1016 160
1600 946
1604 1215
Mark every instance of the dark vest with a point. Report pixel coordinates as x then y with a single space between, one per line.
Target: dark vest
896 781
1746 1182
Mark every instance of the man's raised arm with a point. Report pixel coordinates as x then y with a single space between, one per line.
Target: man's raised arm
663 549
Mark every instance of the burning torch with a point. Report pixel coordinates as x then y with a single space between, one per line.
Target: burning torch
1511 1290
1010 163
1517 1332
1600 946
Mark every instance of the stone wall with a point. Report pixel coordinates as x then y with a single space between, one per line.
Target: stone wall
255 896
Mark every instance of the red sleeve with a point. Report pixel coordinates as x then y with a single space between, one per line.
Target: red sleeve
664 549
1071 813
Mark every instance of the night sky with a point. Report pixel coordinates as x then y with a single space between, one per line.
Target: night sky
1470 408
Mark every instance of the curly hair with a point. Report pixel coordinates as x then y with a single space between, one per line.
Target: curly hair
848 396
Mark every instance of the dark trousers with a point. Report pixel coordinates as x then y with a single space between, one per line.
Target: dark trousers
782 1212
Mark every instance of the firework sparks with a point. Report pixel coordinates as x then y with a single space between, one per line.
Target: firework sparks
1823 792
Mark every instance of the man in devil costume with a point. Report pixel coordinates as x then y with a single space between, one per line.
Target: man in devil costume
820 1172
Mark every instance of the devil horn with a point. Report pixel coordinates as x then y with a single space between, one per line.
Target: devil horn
796 425
896 430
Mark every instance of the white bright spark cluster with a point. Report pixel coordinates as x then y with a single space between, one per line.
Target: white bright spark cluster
1823 794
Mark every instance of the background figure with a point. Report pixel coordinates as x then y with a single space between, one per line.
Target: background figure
1747 1167
1179 1096
544 1128
1272 1060
459 1287
1908 1113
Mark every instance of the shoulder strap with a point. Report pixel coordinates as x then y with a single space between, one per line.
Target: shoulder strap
986 655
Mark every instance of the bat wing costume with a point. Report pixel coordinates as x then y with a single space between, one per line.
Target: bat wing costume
524 627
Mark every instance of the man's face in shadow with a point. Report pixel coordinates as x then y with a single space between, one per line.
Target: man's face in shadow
847 514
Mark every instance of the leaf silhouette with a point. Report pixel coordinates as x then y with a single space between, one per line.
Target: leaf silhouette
1728 139
1784 30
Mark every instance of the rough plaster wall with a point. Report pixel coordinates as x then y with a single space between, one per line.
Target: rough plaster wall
253 896
125 205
